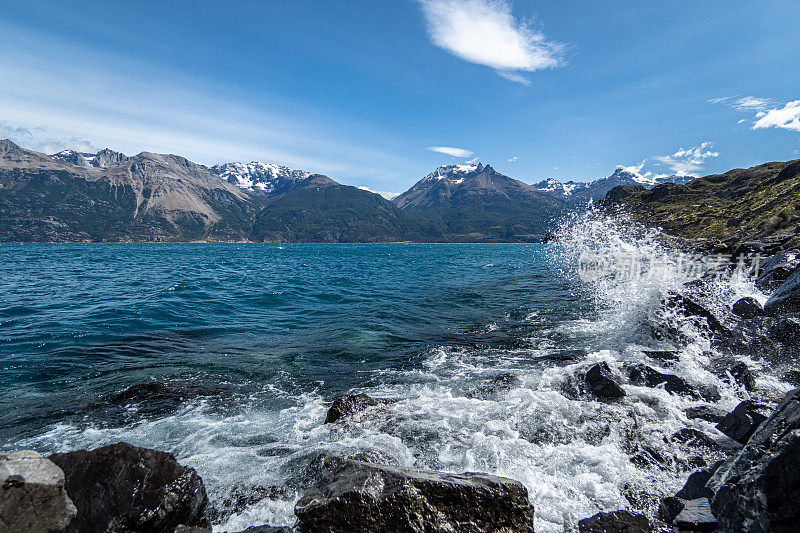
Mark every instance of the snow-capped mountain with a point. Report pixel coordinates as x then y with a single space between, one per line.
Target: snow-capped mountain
257 176
103 159
576 192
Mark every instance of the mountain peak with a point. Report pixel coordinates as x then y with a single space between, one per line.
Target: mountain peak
257 176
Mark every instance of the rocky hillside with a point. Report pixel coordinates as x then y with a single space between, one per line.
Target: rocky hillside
756 203
476 203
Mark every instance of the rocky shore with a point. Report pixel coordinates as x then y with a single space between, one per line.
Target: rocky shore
748 482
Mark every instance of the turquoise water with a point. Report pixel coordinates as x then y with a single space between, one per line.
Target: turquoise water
477 346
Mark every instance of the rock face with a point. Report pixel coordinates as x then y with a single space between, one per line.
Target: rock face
601 383
645 375
122 488
743 421
786 299
786 330
32 495
759 489
776 270
618 521
366 497
748 308
350 404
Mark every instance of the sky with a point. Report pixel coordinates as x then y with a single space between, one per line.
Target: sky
378 93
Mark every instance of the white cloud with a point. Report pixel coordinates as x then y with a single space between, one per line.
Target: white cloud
513 158
449 150
633 169
751 102
688 161
786 117
485 32
385 194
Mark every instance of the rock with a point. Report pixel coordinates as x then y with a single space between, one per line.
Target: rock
695 486
350 404
669 508
693 306
742 422
152 398
645 375
694 438
748 308
758 490
121 488
786 330
191 529
665 356
268 529
705 412
696 516
615 522
743 376
497 385
369 497
776 269
32 495
647 457
786 298
601 383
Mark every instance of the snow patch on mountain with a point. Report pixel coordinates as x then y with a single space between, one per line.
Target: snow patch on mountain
257 176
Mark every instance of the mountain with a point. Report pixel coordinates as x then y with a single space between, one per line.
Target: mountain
258 177
475 203
739 205
577 193
112 197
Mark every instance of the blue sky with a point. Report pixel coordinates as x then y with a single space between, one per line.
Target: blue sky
362 90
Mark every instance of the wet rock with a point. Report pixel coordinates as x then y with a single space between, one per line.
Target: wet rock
615 522
776 269
650 377
692 305
695 486
350 404
786 298
669 508
648 457
743 376
742 422
496 385
786 330
758 489
369 497
694 438
705 412
123 488
600 382
268 529
155 397
665 356
696 516
32 495
243 496
191 529
748 307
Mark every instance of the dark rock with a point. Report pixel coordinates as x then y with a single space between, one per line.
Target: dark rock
600 382
32 495
662 355
776 269
786 330
648 457
743 376
382 499
786 298
742 422
691 305
669 508
122 488
615 522
694 438
496 385
695 486
748 308
191 529
156 398
696 516
705 412
758 490
793 377
650 377
350 404
268 529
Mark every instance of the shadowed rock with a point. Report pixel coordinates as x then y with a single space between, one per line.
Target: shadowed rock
694 438
748 307
366 497
742 422
776 270
743 376
600 382
786 298
786 330
650 377
705 412
123 488
350 404
758 490
32 495
617 521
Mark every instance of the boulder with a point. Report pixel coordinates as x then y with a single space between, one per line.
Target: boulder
650 377
742 375
747 307
694 439
705 412
693 305
669 508
377 498
350 404
758 490
600 382
696 516
615 522
32 495
786 330
776 269
123 488
742 422
786 298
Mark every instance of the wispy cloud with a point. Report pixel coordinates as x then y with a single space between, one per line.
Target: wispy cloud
786 117
385 194
513 158
451 151
38 138
485 32
750 103
688 161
